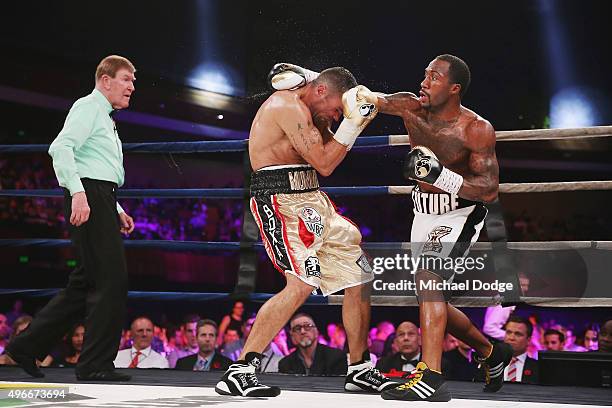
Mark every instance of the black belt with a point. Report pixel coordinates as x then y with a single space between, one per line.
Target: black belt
288 180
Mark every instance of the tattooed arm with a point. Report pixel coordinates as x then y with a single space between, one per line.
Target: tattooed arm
324 155
482 184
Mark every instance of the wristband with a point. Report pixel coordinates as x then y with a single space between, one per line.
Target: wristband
449 181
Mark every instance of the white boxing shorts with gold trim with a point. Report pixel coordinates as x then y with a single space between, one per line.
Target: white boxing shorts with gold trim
303 233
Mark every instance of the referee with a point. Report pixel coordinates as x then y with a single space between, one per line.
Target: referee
88 163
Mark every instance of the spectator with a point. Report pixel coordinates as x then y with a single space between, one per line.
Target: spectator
140 355
588 337
188 331
554 340
5 332
408 343
605 337
497 316
206 359
450 343
231 342
270 356
232 321
16 312
280 340
338 337
390 346
570 341
310 357
19 325
69 353
457 363
383 330
521 368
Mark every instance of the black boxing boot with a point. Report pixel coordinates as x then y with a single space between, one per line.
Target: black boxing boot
240 380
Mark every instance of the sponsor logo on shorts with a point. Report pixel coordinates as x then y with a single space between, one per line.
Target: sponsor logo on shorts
313 221
433 243
272 231
312 267
303 180
364 263
434 203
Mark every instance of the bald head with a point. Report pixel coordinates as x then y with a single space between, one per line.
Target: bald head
407 339
142 332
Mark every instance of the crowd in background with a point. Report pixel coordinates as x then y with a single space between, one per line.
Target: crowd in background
221 220
199 343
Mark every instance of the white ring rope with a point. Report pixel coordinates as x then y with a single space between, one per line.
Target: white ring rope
531 134
532 187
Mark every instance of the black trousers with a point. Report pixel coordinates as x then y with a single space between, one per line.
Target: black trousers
96 290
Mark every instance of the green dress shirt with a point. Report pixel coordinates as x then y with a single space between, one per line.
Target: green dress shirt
88 146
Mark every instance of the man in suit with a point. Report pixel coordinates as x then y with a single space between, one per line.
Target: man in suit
141 355
521 368
189 333
408 343
310 357
206 359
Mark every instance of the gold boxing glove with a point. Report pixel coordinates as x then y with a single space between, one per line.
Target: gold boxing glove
359 106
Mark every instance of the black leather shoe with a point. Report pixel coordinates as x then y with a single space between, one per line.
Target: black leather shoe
104 376
25 361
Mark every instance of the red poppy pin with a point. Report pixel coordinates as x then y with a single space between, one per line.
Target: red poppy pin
527 372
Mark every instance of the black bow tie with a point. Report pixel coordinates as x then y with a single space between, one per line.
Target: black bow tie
413 362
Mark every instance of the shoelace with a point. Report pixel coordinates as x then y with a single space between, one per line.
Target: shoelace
414 377
253 379
482 363
248 379
376 373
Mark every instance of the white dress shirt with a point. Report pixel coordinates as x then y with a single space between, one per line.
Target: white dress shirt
408 366
148 358
494 321
520 364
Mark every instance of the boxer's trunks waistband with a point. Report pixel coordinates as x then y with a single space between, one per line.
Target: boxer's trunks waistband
284 180
438 203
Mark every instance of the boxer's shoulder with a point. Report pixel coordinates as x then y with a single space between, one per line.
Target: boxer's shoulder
286 102
474 124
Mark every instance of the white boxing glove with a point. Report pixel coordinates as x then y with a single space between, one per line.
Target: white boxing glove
289 76
359 106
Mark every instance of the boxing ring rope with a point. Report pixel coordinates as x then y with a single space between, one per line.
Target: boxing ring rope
462 301
235 246
466 301
218 193
363 142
